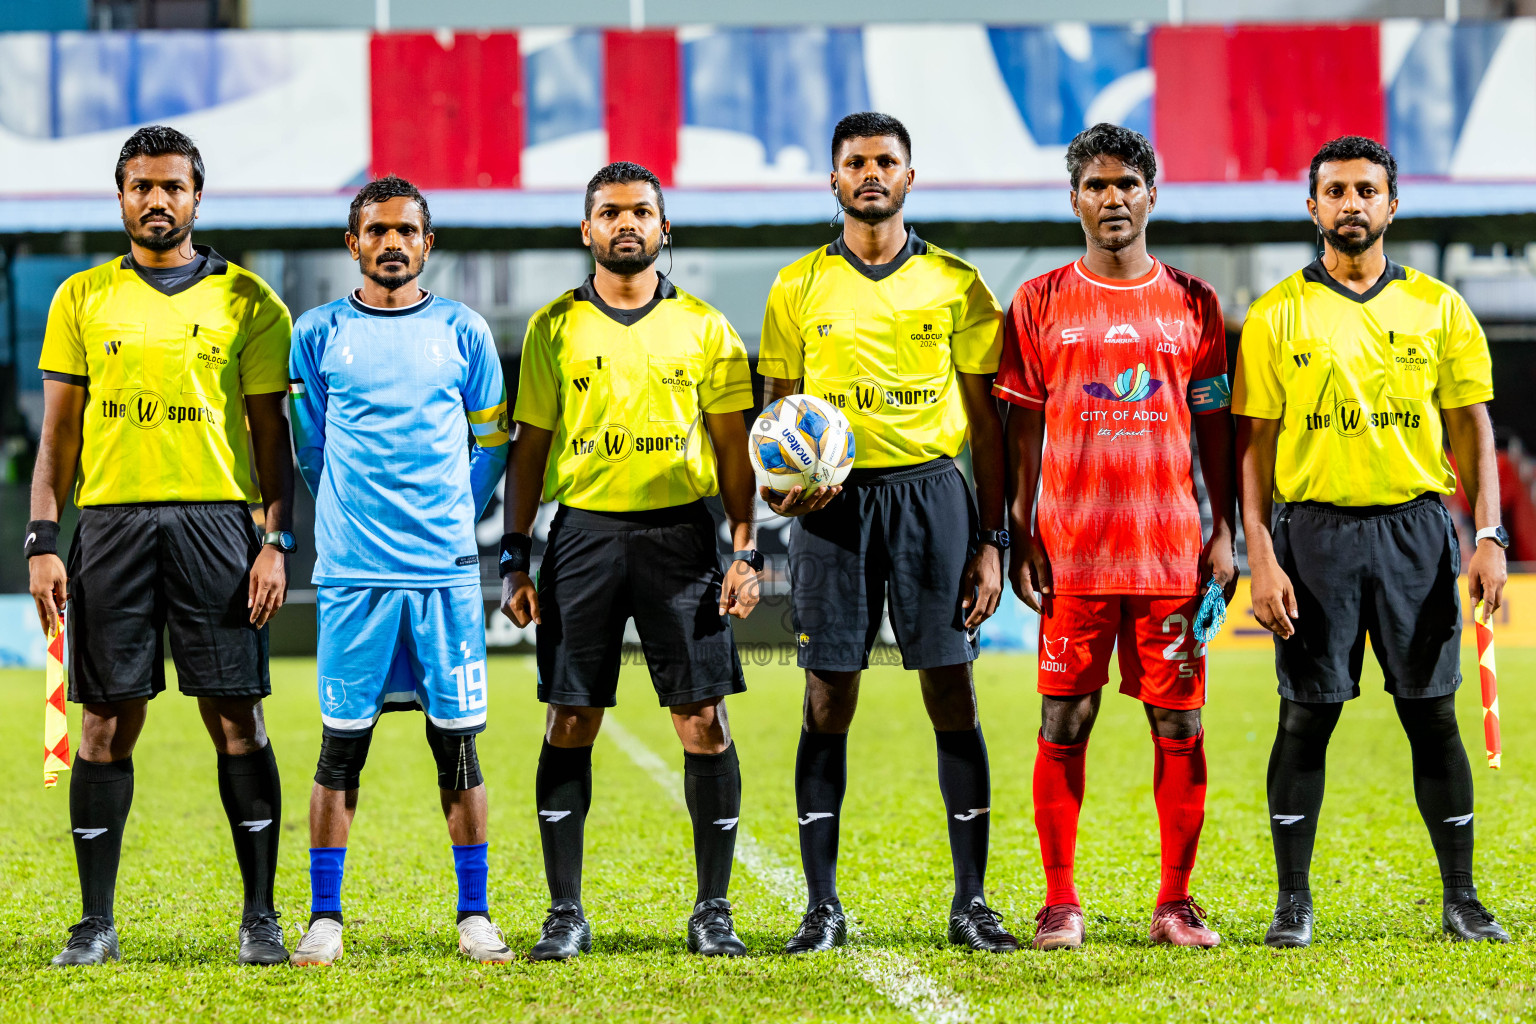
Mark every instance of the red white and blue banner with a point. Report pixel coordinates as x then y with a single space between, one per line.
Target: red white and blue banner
282 116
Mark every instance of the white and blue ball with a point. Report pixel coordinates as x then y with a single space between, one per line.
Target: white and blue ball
800 440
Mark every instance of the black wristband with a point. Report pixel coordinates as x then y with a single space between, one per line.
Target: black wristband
516 553
42 538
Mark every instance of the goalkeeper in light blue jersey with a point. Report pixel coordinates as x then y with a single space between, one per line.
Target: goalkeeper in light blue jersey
400 424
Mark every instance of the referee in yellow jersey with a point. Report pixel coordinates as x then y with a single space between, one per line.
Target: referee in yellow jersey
1345 371
152 366
629 413
905 338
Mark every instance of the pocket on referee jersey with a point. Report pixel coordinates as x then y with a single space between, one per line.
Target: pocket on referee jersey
114 355
674 389
1411 367
1306 370
207 358
831 345
922 342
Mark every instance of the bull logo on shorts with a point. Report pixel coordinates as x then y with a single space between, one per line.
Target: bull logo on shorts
1056 649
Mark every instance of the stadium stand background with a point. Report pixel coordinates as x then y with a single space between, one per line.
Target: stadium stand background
502 110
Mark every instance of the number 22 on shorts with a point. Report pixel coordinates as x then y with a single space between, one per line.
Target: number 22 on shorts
1173 651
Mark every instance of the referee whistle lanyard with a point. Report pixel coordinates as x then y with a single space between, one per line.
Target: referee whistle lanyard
1488 675
55 722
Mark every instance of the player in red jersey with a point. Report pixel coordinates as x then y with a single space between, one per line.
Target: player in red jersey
1114 358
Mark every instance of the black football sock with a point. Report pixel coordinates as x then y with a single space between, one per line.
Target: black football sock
99 798
253 802
563 790
1297 768
821 778
1442 783
966 784
712 786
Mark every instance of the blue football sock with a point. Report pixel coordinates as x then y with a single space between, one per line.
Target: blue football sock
469 862
325 867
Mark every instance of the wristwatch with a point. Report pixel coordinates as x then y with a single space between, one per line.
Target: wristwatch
998 537
1497 534
753 558
282 540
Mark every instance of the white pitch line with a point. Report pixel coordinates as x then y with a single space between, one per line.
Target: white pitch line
899 978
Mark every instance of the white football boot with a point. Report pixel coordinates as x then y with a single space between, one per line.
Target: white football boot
320 946
480 940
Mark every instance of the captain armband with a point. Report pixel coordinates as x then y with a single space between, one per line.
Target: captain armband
1210 395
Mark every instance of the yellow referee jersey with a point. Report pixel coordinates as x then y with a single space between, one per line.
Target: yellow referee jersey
167 372
883 343
1358 382
624 391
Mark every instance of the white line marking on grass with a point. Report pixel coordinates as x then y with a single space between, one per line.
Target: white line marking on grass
899 978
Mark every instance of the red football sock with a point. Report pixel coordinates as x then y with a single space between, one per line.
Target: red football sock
1178 786
1058 799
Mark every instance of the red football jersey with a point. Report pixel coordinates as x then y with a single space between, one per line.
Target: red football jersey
1118 366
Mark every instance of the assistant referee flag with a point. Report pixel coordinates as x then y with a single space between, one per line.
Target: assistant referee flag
1358 382
166 371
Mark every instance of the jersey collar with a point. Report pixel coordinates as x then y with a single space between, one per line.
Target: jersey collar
880 271
628 317
1317 274
415 307
1119 284
215 264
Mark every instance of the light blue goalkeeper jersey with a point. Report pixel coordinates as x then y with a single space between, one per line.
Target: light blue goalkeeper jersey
400 425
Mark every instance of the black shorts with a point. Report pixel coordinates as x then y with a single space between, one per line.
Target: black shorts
659 566
907 531
136 571
1387 571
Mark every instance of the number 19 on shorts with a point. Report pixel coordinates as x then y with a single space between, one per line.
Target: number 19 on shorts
469 680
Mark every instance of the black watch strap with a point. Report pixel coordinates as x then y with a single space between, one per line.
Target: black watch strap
516 554
752 556
997 537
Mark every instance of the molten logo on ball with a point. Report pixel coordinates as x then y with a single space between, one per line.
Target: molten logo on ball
800 441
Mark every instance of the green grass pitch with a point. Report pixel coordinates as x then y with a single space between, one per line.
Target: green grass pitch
1378 955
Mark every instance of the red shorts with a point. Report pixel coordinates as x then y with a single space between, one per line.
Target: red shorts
1160 662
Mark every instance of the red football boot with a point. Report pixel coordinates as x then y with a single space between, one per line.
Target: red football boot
1182 923
1059 927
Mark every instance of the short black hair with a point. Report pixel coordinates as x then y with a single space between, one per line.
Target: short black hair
381 189
1105 139
867 124
624 172
160 140
1354 147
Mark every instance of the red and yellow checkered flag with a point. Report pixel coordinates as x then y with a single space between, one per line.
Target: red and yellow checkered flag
1489 674
55 722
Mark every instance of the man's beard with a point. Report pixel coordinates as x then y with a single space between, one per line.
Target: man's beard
161 241
397 276
1349 247
1118 241
630 264
875 214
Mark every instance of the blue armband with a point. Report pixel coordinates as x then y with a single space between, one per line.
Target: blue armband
1210 394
